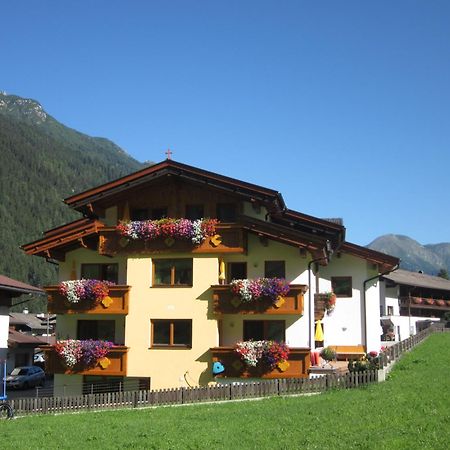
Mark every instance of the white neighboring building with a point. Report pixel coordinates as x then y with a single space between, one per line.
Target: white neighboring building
409 301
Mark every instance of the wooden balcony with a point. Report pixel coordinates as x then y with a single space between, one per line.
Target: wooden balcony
299 363
115 365
229 239
225 302
424 303
115 303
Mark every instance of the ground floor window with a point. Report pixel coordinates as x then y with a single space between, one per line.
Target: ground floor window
259 330
175 333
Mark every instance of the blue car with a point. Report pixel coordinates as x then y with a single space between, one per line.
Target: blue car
25 377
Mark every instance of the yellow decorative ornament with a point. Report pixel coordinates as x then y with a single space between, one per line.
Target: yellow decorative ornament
283 366
216 240
106 302
104 362
280 301
169 241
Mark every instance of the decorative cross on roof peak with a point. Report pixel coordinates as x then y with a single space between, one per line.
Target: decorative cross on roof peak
169 153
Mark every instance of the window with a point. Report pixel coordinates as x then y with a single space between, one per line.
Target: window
274 269
390 310
226 212
103 272
139 214
96 329
236 271
172 272
342 286
194 212
171 333
259 330
159 213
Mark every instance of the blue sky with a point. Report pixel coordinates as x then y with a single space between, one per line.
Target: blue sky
344 107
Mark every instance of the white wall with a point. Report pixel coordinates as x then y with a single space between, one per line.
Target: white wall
344 326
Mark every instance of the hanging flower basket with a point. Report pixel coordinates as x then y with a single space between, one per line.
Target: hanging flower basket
76 291
440 302
429 301
251 290
330 301
417 300
171 230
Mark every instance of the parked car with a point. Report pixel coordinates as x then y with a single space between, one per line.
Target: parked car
25 377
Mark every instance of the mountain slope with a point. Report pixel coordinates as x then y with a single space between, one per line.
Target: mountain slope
414 256
42 162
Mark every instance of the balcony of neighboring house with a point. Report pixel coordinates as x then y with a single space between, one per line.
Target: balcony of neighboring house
224 238
423 306
114 363
115 302
226 301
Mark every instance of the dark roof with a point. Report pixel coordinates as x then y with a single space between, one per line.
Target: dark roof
405 277
170 167
31 320
387 262
16 337
17 287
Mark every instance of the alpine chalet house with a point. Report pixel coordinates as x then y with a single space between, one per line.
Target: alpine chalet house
214 280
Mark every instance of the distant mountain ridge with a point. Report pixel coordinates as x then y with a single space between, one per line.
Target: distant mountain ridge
41 162
429 258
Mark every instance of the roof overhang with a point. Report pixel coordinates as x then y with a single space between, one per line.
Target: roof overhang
84 201
57 241
383 261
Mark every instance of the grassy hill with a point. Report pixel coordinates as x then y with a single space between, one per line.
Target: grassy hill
42 162
408 411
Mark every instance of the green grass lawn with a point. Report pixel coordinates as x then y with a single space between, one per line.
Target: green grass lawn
409 411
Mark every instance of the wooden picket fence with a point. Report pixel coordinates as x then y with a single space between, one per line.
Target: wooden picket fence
219 392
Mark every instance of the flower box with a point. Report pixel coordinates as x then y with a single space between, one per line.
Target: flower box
298 364
115 303
115 363
229 238
226 302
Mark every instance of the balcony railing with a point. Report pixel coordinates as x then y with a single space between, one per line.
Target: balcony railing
229 239
114 364
298 364
225 302
425 303
115 303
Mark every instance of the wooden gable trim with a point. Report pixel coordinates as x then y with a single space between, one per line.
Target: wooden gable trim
170 167
51 246
385 262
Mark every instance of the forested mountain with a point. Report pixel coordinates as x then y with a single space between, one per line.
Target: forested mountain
414 256
42 162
